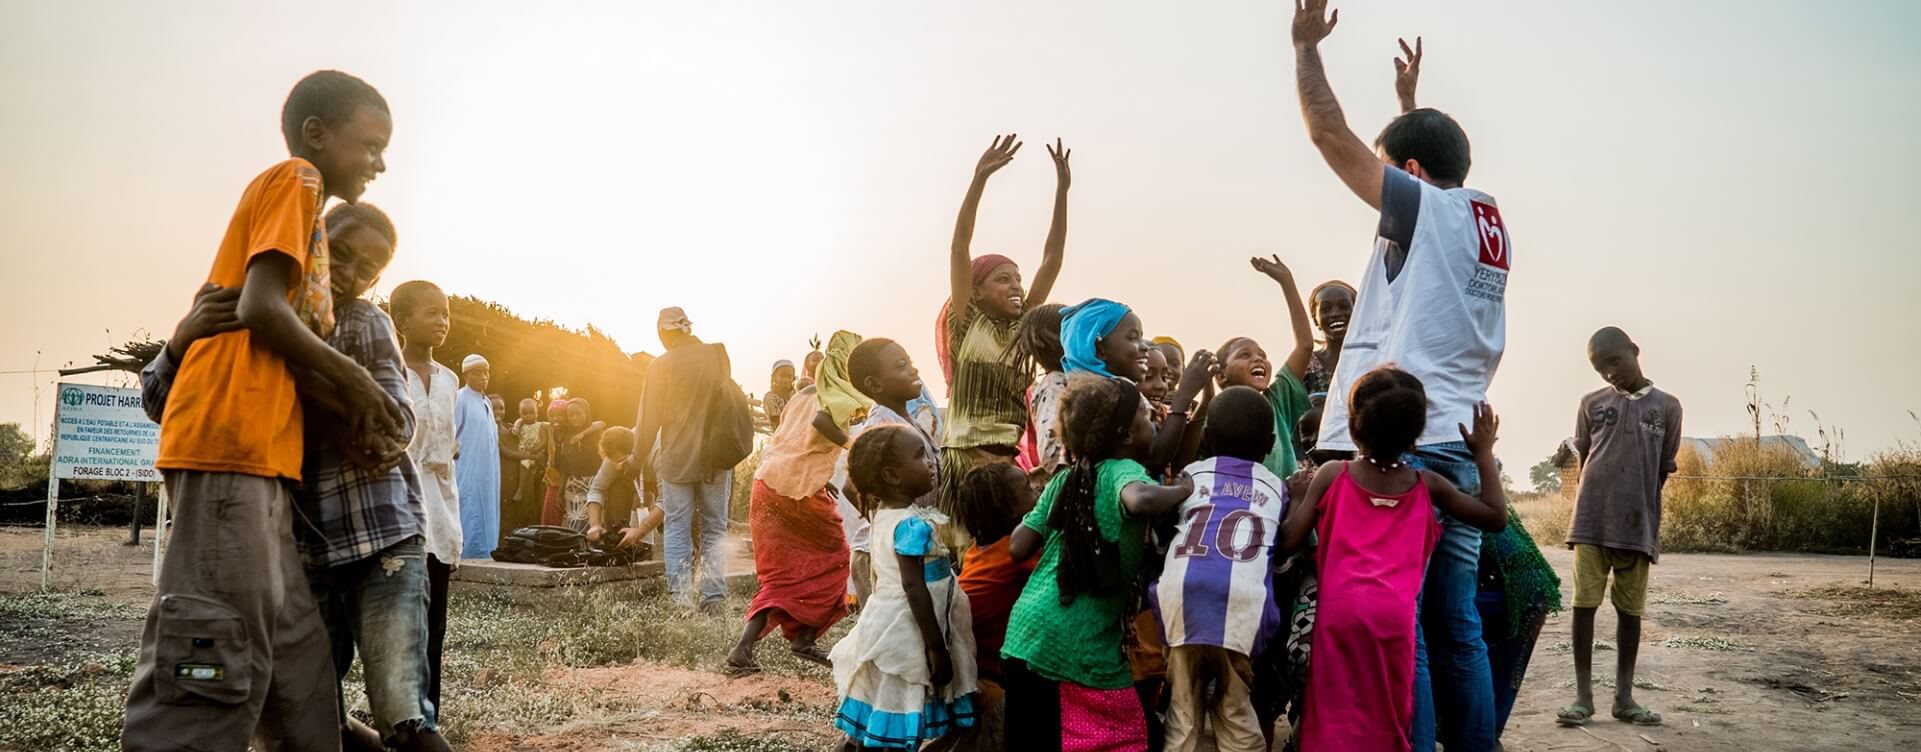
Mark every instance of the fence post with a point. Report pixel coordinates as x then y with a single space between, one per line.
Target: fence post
46 553
1874 529
139 500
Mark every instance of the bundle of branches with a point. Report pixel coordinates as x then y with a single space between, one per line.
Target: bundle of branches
132 356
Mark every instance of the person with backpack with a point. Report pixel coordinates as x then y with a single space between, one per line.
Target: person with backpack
694 427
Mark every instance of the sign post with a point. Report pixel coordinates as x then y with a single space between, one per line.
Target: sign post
99 433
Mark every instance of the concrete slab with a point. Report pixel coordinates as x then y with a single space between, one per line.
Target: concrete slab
490 572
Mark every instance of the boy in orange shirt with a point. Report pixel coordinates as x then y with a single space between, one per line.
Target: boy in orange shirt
233 648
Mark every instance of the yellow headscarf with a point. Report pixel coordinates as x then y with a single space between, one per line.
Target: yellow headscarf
844 403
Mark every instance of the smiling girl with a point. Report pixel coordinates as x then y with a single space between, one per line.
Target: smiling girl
977 334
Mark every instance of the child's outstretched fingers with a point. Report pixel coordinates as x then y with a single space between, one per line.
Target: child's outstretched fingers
1486 427
1060 153
998 154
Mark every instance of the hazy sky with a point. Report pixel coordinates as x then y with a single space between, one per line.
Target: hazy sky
1726 180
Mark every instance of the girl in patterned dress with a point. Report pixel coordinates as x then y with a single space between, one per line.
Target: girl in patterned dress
906 672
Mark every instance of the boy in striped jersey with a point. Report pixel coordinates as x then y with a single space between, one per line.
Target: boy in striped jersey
1215 597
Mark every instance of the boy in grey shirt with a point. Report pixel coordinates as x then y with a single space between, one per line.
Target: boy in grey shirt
1627 435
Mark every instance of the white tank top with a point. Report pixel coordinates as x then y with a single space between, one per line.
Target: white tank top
1443 318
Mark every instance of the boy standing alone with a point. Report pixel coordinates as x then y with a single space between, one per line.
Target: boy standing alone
1627 435
233 646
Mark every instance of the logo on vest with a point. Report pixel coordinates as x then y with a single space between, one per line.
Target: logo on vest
1493 235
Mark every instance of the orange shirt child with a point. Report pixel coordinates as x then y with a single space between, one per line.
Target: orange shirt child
233 408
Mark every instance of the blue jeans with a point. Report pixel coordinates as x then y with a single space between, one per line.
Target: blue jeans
1451 675
380 605
681 503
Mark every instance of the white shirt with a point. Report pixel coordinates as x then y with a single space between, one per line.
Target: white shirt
1442 318
432 451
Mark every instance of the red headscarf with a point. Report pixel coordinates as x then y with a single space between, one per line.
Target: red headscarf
982 266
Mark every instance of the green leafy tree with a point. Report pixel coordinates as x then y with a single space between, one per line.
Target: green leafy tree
1546 476
17 461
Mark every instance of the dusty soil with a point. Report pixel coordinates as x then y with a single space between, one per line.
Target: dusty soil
1754 652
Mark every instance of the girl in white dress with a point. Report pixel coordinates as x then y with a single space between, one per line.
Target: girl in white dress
906 671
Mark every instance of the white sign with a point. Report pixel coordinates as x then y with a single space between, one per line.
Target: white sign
102 433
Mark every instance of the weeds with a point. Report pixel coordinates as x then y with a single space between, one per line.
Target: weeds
1707 643
1715 598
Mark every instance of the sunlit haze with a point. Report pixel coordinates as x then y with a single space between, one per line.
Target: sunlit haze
1727 181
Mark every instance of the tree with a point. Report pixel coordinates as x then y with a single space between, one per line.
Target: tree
528 356
16 458
1546 476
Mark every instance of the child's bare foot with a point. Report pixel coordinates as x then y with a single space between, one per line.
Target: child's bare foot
1627 710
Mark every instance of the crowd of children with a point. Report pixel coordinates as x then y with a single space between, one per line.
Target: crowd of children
1105 542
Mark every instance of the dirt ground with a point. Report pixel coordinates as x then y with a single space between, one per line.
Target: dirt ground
1753 652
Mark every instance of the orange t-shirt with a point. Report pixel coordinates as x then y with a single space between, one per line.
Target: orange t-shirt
233 408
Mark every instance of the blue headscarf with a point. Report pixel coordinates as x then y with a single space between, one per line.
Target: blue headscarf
1082 328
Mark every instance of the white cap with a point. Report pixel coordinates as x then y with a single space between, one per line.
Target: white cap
673 319
473 361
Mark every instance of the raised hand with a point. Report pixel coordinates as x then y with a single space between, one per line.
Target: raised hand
1407 73
1311 25
1274 269
1487 425
1062 175
997 156
1200 371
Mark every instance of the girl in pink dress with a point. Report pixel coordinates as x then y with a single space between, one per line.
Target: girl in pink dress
1376 522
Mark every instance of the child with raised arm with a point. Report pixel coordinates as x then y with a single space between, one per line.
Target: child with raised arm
1377 522
1245 363
1069 685
1627 435
219 645
976 334
906 672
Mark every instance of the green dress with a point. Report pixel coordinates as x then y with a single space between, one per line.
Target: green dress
1079 642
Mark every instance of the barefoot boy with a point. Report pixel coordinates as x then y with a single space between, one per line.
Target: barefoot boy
1627 435
233 648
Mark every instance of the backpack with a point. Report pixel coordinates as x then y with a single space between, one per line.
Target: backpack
547 545
730 420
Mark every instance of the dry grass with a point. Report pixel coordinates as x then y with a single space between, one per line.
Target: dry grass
1547 517
1901 604
1756 498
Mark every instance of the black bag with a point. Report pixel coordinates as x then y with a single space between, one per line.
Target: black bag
547 545
730 421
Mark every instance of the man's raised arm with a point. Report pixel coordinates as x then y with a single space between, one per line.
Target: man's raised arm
1356 164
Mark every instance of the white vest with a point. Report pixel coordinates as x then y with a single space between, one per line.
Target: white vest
1443 318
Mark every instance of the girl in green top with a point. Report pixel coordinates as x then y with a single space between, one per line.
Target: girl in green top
1245 363
1068 681
975 337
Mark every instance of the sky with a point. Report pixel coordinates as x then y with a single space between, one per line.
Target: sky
1724 179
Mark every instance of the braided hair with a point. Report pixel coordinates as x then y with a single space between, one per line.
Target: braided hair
988 498
867 462
1387 411
1096 413
1040 336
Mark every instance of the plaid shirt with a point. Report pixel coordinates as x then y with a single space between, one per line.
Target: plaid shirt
349 514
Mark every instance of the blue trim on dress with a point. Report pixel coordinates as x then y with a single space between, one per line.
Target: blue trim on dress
886 730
